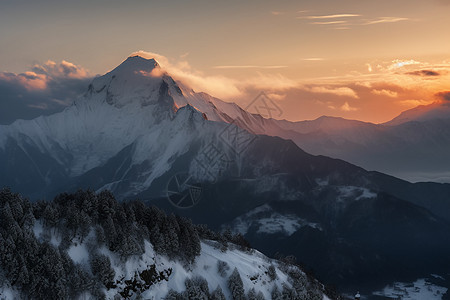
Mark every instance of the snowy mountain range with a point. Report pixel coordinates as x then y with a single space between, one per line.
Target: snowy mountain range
135 108
139 133
413 146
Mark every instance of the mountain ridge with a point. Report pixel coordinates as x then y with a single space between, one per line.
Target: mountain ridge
135 134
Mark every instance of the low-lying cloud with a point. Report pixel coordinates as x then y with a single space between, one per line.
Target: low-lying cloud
45 89
397 84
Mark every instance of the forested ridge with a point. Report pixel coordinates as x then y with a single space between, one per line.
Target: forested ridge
40 269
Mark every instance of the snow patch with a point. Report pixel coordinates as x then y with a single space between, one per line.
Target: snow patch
38 229
354 192
47 234
287 224
79 253
270 222
250 265
322 181
437 276
421 289
7 292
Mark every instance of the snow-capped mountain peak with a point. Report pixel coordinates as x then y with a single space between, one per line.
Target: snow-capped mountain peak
138 62
136 80
436 110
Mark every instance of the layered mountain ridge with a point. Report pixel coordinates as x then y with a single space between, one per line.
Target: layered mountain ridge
412 146
136 129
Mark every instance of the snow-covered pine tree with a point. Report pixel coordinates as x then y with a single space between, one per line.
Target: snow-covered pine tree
236 286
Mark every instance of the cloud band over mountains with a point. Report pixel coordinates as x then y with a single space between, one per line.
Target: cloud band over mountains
46 89
400 83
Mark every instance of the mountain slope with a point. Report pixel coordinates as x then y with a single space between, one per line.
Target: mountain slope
77 247
413 146
422 113
139 133
333 216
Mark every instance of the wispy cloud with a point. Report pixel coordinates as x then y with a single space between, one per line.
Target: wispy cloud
221 86
386 20
313 59
249 67
184 55
339 91
387 85
276 13
269 82
328 22
385 92
399 63
344 21
335 16
278 97
414 102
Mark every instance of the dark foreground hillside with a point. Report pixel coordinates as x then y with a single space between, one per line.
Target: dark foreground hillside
89 246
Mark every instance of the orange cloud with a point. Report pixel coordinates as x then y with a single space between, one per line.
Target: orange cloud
249 67
384 92
276 13
273 82
386 20
38 78
389 85
339 91
414 103
29 80
333 16
313 59
64 69
277 97
397 63
329 22
156 72
347 107
220 86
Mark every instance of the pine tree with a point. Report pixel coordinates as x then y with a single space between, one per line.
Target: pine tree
51 215
222 268
217 294
276 295
236 286
288 293
197 288
101 268
251 295
272 273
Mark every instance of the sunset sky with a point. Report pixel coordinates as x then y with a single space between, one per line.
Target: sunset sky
358 59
